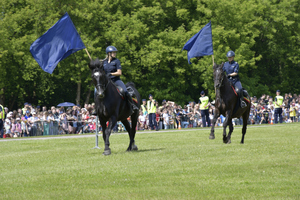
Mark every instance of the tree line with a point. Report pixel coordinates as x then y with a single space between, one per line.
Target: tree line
149 36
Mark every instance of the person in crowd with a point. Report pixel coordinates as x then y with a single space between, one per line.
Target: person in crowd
2 118
112 67
151 108
166 119
28 128
142 121
184 118
144 107
85 114
25 108
44 108
265 115
27 115
7 127
204 107
23 127
171 117
232 69
18 128
158 118
293 111
38 109
64 121
278 107
20 113
197 116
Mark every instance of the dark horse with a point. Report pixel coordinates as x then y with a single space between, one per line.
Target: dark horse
227 103
111 107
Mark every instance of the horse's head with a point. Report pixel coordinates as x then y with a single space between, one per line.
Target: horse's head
218 75
99 77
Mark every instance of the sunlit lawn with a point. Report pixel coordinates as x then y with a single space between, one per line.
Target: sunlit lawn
168 165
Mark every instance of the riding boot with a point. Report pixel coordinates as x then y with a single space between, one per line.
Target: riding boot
243 103
133 106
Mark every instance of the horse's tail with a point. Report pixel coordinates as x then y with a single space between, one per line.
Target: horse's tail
138 96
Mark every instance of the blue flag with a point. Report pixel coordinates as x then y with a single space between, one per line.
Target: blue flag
60 41
200 44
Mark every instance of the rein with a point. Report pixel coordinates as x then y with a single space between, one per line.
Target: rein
104 85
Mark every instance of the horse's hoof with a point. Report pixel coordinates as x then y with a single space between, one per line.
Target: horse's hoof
229 141
225 140
134 147
106 152
211 137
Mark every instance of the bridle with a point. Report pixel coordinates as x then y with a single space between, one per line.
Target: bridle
101 85
222 76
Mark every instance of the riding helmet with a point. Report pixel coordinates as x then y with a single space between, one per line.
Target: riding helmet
230 54
111 49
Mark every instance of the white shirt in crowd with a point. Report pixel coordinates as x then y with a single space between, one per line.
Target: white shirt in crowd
166 118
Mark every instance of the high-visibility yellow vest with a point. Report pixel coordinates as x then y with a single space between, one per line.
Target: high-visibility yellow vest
24 110
279 101
143 109
204 101
3 113
151 106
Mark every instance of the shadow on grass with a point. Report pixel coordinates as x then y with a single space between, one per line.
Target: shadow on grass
123 152
145 150
139 151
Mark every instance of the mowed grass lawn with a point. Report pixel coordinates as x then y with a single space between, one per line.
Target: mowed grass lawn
178 164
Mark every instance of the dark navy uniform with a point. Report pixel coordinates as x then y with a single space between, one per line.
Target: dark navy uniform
112 67
231 67
2 117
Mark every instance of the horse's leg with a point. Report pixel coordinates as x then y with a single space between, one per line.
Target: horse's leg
212 131
134 119
245 120
230 131
112 123
129 130
225 124
103 125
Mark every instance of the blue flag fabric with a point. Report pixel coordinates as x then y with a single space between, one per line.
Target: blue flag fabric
200 44
60 41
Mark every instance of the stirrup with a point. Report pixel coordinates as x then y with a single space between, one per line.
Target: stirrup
134 107
243 104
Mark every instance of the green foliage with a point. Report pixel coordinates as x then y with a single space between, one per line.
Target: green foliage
149 36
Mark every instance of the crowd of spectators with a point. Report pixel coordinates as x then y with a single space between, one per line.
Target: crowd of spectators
169 115
70 120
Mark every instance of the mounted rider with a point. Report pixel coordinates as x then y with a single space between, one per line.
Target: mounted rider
112 68
232 69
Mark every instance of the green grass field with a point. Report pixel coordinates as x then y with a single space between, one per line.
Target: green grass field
178 164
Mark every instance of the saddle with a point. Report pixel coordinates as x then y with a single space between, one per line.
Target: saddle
122 92
246 97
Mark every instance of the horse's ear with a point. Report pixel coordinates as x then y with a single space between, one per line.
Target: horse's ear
95 64
92 65
222 64
214 66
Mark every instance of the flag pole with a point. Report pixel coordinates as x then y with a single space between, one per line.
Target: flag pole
88 53
213 59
